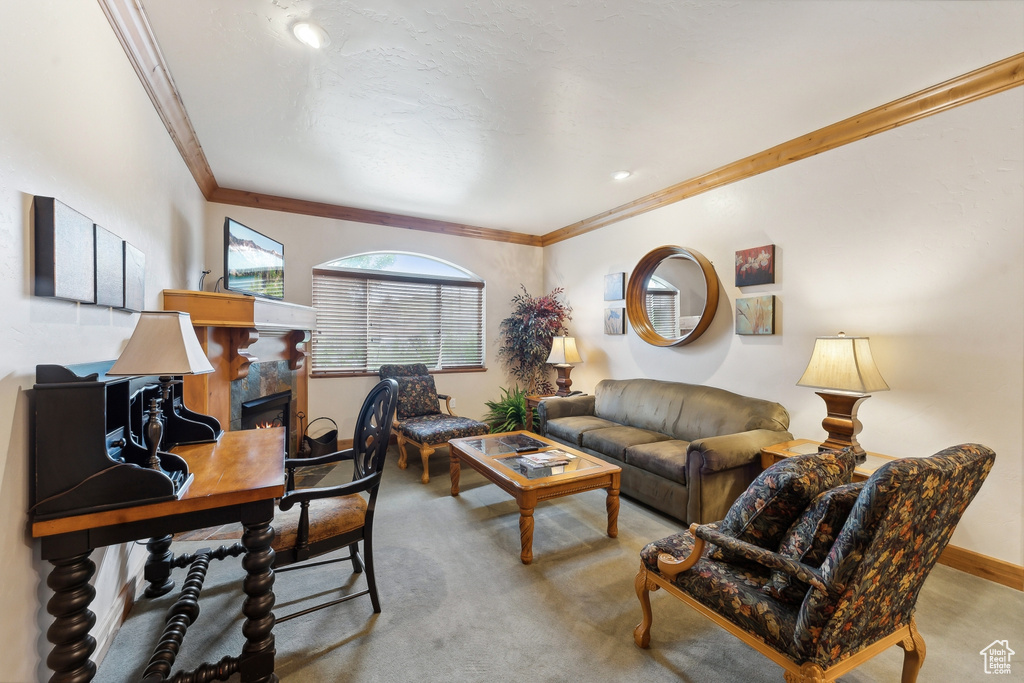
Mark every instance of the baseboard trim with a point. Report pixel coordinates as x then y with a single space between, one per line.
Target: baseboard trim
106 630
976 564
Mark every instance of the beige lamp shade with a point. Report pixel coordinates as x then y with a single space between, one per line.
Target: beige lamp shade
163 343
564 351
843 363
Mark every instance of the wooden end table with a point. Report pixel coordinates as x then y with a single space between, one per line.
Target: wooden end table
787 449
494 460
531 404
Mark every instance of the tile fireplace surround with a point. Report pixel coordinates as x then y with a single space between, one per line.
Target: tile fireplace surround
257 347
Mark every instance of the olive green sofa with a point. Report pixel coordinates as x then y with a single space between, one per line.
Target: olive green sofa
684 449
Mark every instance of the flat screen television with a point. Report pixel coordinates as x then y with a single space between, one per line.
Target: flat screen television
253 263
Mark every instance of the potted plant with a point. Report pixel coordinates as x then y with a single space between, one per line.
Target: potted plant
507 414
526 337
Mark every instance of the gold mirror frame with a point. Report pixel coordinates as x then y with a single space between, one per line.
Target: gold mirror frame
636 290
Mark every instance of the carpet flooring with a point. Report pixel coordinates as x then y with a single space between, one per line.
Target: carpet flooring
459 606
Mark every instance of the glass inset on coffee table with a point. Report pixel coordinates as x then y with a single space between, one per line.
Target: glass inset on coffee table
532 468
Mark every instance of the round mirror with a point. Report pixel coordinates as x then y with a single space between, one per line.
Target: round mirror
672 296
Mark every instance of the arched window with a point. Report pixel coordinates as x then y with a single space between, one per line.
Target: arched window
395 307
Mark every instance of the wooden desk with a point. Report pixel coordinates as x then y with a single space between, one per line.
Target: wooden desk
236 480
772 454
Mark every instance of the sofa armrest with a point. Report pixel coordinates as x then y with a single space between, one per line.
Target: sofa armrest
719 453
720 468
553 408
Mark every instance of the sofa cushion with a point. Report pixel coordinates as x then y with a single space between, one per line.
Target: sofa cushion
665 458
685 411
613 441
571 429
417 395
438 428
768 507
811 536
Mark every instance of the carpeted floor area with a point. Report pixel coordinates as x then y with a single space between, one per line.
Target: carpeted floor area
459 606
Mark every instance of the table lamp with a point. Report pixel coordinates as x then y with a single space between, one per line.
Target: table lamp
843 367
563 355
163 344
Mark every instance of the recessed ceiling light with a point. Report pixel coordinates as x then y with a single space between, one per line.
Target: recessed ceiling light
311 34
621 175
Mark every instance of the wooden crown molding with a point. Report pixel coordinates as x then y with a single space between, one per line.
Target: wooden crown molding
989 80
132 28
347 213
131 25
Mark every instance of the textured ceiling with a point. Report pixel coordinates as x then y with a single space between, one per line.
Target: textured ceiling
513 115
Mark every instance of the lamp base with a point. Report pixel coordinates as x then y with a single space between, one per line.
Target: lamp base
841 423
563 380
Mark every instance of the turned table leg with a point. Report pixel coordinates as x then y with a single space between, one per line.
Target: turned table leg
257 661
69 633
611 503
526 534
158 567
454 470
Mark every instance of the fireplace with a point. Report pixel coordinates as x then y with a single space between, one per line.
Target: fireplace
273 410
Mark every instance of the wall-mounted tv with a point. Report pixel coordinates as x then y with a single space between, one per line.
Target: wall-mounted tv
253 263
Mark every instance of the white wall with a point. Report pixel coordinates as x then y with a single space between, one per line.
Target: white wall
309 241
914 237
75 124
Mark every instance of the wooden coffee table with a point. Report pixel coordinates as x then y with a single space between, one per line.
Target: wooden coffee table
495 457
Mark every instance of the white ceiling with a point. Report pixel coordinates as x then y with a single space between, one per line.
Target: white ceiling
512 114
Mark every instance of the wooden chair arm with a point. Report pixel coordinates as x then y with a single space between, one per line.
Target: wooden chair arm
447 403
765 558
291 498
336 456
670 567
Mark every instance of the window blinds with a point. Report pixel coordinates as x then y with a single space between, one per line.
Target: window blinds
365 322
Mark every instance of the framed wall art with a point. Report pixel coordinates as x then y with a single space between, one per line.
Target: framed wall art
134 278
65 244
615 321
614 286
109 266
755 266
756 315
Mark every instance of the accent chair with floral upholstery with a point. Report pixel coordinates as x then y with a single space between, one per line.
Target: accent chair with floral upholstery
839 585
419 419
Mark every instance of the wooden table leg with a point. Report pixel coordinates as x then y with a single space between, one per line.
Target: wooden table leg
257 661
526 534
454 470
157 572
612 505
72 645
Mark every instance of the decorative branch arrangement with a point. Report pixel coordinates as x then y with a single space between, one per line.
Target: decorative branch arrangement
526 338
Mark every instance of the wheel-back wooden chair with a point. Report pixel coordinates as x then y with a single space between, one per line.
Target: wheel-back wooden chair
420 421
319 520
841 588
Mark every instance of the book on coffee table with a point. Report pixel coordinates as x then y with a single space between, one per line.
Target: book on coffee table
549 458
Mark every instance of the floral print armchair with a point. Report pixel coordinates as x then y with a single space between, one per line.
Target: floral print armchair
419 419
840 584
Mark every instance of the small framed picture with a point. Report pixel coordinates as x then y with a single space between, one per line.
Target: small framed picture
615 321
755 266
756 315
614 286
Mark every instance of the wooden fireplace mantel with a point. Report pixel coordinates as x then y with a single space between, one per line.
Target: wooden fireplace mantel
236 331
